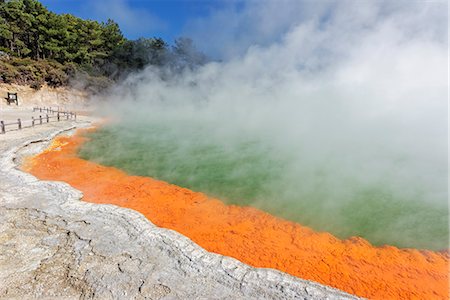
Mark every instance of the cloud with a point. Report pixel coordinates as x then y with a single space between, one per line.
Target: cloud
231 30
134 22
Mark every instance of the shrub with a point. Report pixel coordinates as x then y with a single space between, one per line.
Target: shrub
8 74
35 73
36 85
56 77
22 62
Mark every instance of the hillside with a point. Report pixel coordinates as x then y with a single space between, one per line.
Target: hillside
38 46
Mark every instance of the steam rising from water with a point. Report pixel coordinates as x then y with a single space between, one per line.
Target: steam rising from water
341 125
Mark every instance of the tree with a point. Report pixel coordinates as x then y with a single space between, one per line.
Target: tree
112 36
29 30
185 54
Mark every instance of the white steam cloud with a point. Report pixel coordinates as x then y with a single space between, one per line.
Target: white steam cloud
351 93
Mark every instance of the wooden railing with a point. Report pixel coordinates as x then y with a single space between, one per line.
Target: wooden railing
52 111
57 115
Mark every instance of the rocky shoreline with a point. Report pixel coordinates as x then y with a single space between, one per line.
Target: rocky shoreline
54 245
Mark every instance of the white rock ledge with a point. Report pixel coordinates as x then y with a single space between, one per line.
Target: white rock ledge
52 245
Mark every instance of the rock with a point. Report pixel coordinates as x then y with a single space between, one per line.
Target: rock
54 245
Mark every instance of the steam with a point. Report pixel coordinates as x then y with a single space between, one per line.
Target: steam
346 112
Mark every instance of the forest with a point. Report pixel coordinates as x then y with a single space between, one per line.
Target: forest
38 46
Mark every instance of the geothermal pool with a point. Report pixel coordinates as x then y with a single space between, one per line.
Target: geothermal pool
325 194
249 234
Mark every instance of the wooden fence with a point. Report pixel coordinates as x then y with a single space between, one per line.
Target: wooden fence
56 116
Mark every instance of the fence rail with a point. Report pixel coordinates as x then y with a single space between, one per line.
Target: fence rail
60 116
52 111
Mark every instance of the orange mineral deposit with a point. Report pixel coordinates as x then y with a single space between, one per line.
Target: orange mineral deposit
250 235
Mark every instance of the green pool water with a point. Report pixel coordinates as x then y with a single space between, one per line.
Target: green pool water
246 170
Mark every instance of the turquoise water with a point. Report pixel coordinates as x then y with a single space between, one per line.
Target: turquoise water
246 170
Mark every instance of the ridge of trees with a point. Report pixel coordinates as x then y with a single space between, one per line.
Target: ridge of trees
31 35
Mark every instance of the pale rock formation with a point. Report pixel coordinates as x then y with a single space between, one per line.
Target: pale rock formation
52 245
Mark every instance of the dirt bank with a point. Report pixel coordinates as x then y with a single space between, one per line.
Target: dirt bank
62 97
253 236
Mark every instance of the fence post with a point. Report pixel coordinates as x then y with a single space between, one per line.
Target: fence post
32 121
2 125
47 118
20 123
75 116
40 109
67 116
40 120
57 116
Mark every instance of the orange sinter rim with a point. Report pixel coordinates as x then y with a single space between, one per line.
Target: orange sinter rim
251 235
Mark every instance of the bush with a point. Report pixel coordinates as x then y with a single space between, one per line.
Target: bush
36 85
22 62
56 77
35 73
70 69
26 74
8 74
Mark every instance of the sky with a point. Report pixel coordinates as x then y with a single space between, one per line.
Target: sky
141 18
220 28
225 29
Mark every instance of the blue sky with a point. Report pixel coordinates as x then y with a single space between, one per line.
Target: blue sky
141 18
225 29
220 28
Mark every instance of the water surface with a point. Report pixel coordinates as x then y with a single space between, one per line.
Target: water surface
247 170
